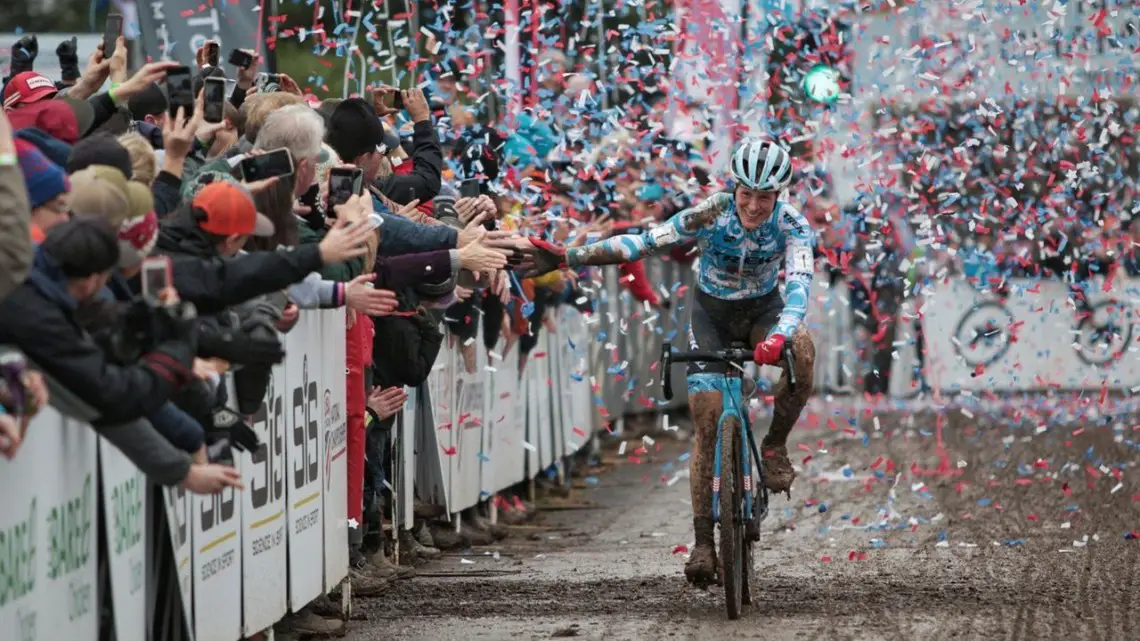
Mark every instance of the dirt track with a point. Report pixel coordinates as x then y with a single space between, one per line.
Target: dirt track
1019 537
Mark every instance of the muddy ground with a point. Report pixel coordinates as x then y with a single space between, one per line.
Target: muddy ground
1016 532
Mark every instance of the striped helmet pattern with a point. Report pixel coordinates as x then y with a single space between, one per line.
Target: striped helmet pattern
762 165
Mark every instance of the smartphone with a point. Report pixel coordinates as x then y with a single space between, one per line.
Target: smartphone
155 277
180 90
214 99
112 29
470 188
273 163
344 183
394 100
213 52
239 58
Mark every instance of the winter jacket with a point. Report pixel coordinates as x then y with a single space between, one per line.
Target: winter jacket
15 236
402 236
40 318
213 282
404 349
423 183
167 192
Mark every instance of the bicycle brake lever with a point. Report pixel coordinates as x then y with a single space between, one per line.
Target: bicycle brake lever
790 358
667 365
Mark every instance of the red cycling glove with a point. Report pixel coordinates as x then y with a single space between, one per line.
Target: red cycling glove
769 351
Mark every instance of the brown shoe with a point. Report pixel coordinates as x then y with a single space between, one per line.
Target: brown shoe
365 583
388 570
307 625
778 471
412 548
423 510
479 522
475 535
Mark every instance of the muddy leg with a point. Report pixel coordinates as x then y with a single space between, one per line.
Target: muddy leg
778 472
705 408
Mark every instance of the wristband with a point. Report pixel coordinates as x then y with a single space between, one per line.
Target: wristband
8 160
111 93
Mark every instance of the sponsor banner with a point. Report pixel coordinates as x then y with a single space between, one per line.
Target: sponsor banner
1032 338
264 522
125 508
48 535
304 449
334 426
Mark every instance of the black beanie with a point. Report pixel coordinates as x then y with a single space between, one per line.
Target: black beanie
99 149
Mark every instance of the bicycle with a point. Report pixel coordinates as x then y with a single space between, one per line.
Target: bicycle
739 502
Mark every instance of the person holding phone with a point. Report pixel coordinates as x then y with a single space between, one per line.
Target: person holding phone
422 182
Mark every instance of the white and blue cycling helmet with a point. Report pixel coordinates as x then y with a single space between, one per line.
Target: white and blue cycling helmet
762 165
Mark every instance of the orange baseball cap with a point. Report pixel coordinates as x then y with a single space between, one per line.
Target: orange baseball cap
229 210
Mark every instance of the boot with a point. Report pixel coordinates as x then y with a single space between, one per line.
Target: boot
423 510
701 567
389 570
414 549
778 471
446 538
367 580
480 522
473 534
307 625
324 606
423 535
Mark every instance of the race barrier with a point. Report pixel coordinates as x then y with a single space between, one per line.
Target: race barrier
243 558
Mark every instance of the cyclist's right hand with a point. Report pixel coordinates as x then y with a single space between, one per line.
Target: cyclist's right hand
541 258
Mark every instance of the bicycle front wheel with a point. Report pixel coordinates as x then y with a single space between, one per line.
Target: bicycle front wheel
731 518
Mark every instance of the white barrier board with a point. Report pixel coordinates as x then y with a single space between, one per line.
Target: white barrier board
217 566
1032 339
334 425
125 511
48 535
264 523
303 449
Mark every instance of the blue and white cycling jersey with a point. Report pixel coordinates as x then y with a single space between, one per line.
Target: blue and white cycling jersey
734 264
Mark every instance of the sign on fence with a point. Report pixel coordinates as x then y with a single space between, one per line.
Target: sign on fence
125 521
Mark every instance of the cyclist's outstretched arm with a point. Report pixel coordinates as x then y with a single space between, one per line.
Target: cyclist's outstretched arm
799 267
685 226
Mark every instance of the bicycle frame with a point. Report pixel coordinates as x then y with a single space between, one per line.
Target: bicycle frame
732 398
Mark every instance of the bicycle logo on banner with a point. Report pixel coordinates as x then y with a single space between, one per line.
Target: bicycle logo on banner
983 334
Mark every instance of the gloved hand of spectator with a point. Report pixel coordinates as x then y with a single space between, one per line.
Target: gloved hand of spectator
768 352
24 54
68 53
241 435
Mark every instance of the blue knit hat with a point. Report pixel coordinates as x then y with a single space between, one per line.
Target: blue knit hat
44 179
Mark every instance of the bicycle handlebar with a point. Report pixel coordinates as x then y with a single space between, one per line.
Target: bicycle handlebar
734 356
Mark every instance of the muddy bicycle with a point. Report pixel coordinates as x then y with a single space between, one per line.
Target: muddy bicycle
739 501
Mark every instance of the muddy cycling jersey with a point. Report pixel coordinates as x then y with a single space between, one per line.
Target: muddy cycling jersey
734 264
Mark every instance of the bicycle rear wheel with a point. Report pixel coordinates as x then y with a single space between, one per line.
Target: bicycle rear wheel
731 518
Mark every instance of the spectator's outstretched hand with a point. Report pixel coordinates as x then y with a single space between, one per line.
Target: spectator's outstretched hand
468 208
345 241
288 85
501 286
118 62
246 76
178 132
10 436
289 317
387 401
477 257
378 94
360 297
416 105
24 54
150 72
211 479
93 76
